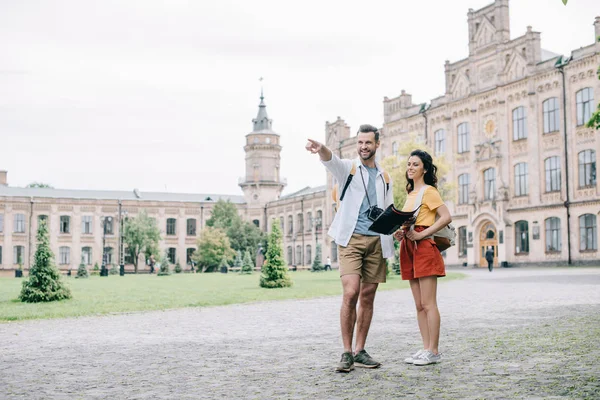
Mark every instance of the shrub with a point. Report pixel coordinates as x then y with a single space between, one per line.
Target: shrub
82 271
177 267
165 268
96 270
317 265
247 265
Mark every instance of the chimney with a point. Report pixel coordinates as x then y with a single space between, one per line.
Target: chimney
3 181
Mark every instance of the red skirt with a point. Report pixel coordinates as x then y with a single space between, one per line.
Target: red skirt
420 259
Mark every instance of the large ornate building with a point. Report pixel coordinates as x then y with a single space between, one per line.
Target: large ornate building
511 123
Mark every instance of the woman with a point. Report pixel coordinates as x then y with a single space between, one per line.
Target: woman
420 260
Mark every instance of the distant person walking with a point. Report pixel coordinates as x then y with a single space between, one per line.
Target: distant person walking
328 264
420 260
489 256
362 253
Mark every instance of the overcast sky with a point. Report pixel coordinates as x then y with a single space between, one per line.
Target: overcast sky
159 95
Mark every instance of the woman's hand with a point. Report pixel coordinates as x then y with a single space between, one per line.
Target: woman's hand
415 236
399 234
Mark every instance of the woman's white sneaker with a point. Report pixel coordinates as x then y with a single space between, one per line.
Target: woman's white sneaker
427 357
411 359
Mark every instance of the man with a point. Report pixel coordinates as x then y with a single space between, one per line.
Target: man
328 264
489 256
362 253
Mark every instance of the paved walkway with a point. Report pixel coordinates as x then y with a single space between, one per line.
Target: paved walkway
513 333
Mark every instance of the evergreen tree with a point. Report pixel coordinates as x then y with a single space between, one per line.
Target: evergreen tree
317 264
274 272
165 268
96 269
239 262
44 282
82 271
247 265
178 267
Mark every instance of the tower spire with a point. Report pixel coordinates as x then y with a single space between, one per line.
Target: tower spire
262 121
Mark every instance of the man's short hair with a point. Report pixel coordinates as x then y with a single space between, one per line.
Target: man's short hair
369 128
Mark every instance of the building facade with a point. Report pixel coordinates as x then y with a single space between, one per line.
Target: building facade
511 124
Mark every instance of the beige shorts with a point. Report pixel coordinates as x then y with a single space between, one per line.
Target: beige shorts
363 256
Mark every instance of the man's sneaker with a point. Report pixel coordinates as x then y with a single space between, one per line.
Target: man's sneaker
411 359
346 364
427 357
363 359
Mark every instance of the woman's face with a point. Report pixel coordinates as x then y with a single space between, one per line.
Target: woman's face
414 168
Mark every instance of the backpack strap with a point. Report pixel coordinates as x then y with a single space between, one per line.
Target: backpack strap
419 200
386 179
352 173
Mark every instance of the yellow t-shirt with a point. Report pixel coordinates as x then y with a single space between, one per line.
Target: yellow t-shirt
431 201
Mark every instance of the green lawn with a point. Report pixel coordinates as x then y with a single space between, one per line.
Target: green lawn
96 295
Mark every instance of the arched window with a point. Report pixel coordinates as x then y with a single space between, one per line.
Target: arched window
334 252
551 115
585 105
86 255
298 260
299 223
64 255
290 224
588 232
463 188
587 168
289 256
553 242
521 180
521 237
308 254
319 221
463 137
552 168
440 141
489 184
519 123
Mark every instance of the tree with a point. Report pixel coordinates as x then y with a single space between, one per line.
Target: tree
224 213
396 167
141 235
177 267
165 267
82 271
44 282
247 265
239 262
275 273
594 122
224 265
39 185
213 244
317 265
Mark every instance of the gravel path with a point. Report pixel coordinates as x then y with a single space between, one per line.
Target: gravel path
513 333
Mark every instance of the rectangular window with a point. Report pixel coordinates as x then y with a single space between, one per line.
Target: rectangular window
127 257
308 254
552 167
108 225
300 222
440 142
309 221
463 137
551 115
463 188
489 180
462 241
172 255
18 255
585 105
108 255
0 255
86 224
290 224
521 180
19 223
191 227
171 226
86 255
64 255
521 237
587 168
553 242
1 223
519 123
588 233
188 255
65 224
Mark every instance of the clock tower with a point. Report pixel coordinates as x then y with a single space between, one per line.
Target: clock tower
262 182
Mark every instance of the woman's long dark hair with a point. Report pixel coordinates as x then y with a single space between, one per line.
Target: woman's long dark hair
430 177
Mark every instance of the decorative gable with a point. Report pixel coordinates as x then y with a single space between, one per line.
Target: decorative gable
516 67
485 33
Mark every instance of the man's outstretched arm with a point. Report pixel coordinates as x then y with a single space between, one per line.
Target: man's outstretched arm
318 148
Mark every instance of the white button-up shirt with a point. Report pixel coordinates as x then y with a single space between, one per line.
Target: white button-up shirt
345 220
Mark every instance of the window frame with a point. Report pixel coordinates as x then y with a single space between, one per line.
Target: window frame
551 116
19 221
489 185
464 180
191 224
587 177
584 106
552 230
519 240
519 119
521 176
552 174
587 243
171 227
462 138
64 255
440 141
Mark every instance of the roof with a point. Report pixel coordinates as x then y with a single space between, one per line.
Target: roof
262 121
303 192
10 191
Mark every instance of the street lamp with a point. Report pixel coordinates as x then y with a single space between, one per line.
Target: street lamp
317 225
121 251
103 270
